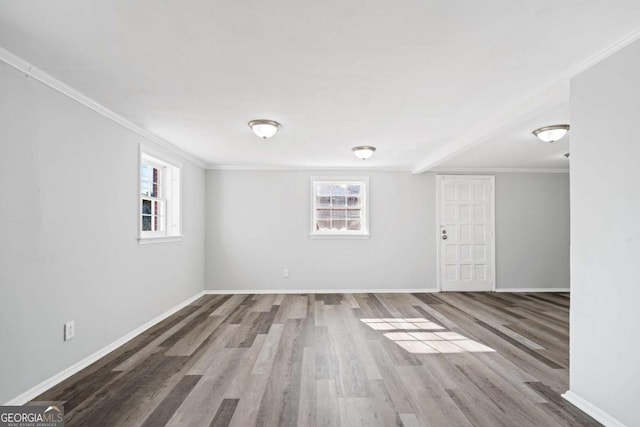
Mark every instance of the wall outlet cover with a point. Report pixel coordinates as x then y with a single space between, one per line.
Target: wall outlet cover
69 330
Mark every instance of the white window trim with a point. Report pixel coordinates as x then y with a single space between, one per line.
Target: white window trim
172 185
159 239
366 231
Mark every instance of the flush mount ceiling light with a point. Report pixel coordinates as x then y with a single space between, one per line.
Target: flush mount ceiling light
264 128
363 152
551 133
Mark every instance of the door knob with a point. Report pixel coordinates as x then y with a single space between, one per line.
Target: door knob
444 237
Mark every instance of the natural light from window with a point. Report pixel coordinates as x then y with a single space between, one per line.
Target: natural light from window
159 213
421 336
339 207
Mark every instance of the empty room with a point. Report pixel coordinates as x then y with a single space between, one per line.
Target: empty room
339 213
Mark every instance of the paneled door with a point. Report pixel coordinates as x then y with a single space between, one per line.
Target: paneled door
466 232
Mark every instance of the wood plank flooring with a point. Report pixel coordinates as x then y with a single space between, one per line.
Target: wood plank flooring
449 359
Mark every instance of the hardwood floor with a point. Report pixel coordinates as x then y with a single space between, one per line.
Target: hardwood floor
450 359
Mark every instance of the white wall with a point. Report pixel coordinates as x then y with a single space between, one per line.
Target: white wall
605 229
68 228
258 224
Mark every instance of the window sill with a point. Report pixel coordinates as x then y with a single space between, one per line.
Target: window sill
158 239
340 236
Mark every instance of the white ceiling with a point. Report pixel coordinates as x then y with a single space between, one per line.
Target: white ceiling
422 80
516 147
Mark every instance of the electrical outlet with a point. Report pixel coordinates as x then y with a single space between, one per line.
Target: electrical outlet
286 273
69 330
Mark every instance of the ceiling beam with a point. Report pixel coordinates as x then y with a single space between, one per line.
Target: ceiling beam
545 99
548 96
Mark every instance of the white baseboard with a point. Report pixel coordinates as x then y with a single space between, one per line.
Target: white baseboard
61 376
316 291
591 410
530 290
360 291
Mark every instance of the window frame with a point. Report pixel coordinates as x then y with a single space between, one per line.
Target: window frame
161 196
170 194
364 233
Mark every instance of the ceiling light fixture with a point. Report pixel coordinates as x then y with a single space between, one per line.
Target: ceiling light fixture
264 128
551 133
363 152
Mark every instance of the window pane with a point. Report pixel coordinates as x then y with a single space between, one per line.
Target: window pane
354 189
323 190
160 206
339 206
323 201
353 214
338 200
146 207
324 214
339 224
353 225
338 213
161 209
323 225
159 223
145 188
338 190
146 222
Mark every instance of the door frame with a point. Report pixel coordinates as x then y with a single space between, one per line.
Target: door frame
492 204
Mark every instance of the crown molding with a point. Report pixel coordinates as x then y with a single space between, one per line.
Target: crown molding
303 168
34 72
541 98
593 60
498 170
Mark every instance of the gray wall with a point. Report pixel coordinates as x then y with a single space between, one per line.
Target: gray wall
258 224
68 228
532 230
605 229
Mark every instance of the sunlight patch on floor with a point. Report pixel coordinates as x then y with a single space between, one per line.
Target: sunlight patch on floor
389 324
421 336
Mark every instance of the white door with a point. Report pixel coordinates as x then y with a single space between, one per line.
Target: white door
466 232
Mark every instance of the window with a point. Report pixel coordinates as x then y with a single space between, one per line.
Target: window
159 214
339 207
